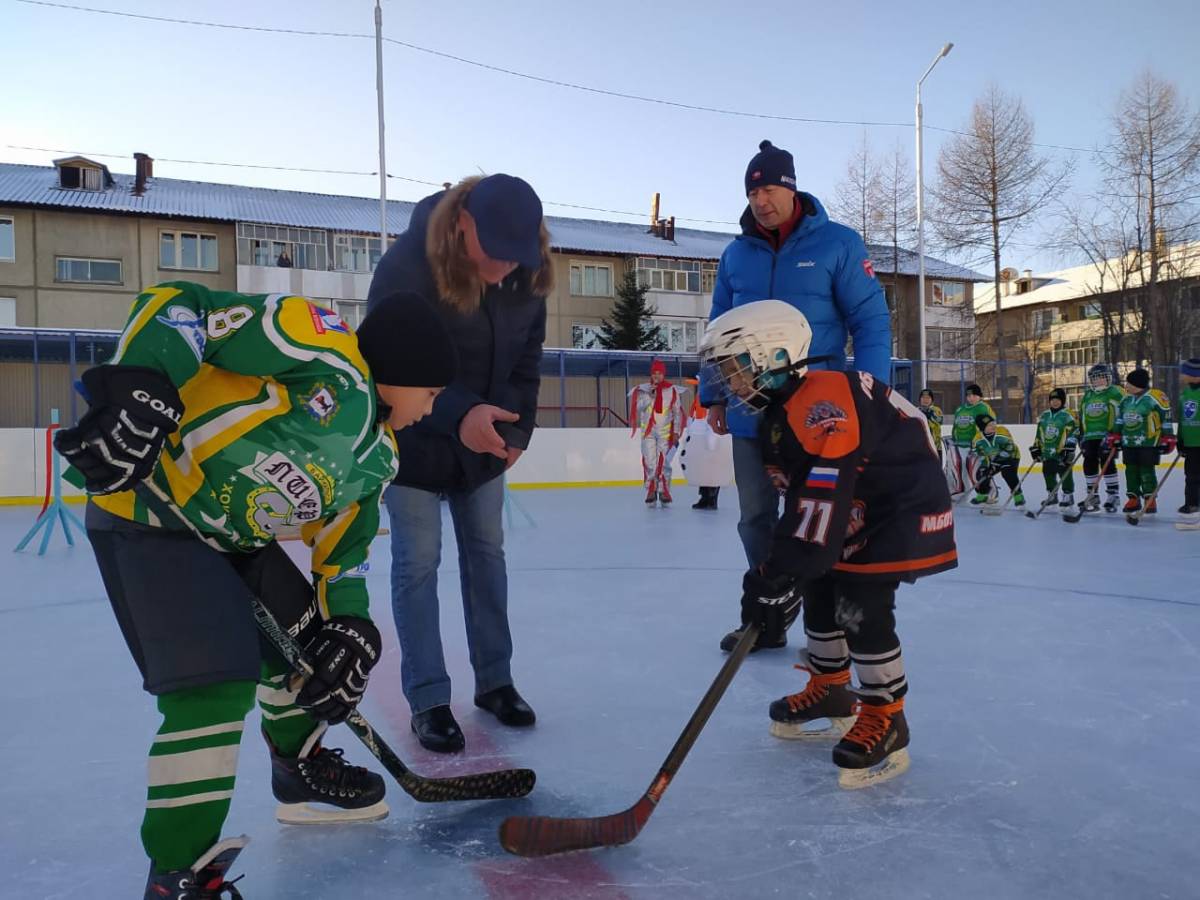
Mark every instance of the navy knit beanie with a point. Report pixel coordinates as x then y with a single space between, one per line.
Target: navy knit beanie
771 165
1190 367
983 420
1139 378
405 343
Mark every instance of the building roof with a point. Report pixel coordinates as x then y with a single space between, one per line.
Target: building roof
1080 282
176 198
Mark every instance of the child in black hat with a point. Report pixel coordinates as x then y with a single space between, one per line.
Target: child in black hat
998 455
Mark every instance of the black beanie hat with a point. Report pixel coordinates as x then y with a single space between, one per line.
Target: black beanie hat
925 391
974 389
1059 394
1139 378
770 165
406 344
983 420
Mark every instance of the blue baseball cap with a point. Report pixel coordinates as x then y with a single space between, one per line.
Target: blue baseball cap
508 218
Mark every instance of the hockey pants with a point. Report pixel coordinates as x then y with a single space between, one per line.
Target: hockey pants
1141 476
1052 470
657 456
1007 471
855 622
1093 455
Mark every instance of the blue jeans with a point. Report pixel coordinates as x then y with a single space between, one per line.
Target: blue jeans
416 523
758 499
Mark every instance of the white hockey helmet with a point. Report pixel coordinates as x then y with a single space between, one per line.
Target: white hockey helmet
755 348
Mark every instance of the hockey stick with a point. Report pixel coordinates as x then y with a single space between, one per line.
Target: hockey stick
501 784
1047 501
997 510
547 835
1136 518
1094 490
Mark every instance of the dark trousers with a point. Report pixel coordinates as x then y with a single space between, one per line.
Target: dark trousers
1191 474
849 621
1008 471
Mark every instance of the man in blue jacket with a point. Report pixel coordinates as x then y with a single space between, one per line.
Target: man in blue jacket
790 250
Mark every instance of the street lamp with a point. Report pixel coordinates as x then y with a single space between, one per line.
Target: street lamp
921 223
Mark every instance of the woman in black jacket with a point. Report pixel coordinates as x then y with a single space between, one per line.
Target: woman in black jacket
481 251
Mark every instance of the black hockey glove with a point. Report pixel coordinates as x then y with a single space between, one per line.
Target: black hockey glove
1067 457
342 656
1035 453
768 599
117 442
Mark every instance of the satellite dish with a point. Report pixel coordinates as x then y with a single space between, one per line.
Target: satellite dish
1008 274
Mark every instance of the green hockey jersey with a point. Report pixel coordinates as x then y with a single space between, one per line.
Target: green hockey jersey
1144 419
1099 412
1056 431
1188 415
280 432
998 449
964 431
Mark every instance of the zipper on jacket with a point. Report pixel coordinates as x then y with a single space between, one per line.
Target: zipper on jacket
771 283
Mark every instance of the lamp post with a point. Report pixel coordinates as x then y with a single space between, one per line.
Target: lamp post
921 222
383 233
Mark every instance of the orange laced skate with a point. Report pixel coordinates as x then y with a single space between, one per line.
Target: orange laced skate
874 750
826 696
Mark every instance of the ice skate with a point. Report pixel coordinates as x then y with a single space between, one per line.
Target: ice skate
205 880
652 498
980 499
1151 507
318 787
1018 499
827 697
664 496
1110 504
1066 505
1132 505
875 749
1189 518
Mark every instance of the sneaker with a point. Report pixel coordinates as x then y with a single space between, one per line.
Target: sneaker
874 750
1132 505
826 696
318 787
205 880
1188 510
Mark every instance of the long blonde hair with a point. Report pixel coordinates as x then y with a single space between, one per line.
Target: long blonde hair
457 278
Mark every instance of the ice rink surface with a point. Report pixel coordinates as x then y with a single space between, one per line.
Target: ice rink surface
1055 726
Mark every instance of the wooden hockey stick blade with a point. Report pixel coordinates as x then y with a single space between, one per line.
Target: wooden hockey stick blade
547 835
500 784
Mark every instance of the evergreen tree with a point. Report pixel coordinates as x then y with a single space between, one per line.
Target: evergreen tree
631 327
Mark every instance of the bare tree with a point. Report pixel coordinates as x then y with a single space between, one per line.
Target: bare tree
991 184
857 200
1153 167
898 206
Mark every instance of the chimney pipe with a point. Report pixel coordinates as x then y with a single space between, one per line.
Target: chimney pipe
144 171
1028 275
654 203
670 230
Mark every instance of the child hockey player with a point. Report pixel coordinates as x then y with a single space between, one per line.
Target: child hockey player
1099 409
866 507
656 411
257 416
1054 447
962 465
999 455
933 413
1145 434
1189 441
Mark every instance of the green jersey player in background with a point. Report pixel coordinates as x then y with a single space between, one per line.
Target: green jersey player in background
1054 447
961 464
1188 417
1098 411
1145 434
998 454
933 413
258 416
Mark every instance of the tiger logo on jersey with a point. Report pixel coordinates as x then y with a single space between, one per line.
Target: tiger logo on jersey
825 417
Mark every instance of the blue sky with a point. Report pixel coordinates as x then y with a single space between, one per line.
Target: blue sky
97 83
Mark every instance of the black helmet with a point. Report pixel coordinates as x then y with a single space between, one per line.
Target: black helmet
1060 395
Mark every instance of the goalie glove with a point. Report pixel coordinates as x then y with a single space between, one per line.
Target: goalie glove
342 656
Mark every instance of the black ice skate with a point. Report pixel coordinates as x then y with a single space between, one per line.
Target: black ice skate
1110 504
874 750
825 697
767 640
205 880
652 498
318 787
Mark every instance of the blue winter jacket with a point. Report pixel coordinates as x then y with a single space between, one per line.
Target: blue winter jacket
822 269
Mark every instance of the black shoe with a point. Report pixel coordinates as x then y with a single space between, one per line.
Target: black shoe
765 641
508 706
318 787
438 731
205 880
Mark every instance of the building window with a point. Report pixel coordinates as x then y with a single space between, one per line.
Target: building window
79 178
948 343
187 250
1043 319
685 275
355 253
351 311
1077 353
8 312
95 271
585 336
947 293
589 280
8 239
276 245
681 335
1090 310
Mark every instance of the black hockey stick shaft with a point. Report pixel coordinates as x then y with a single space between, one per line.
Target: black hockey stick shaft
1136 518
548 835
504 783
1047 502
1094 490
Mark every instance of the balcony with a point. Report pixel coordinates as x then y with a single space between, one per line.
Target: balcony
303 282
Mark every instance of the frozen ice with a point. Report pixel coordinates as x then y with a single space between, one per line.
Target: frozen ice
1053 711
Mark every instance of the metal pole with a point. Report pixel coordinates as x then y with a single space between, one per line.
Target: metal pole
383 232
921 220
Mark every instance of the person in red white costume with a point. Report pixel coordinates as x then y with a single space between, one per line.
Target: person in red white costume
656 413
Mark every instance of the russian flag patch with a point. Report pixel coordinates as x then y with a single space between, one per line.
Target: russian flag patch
822 477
